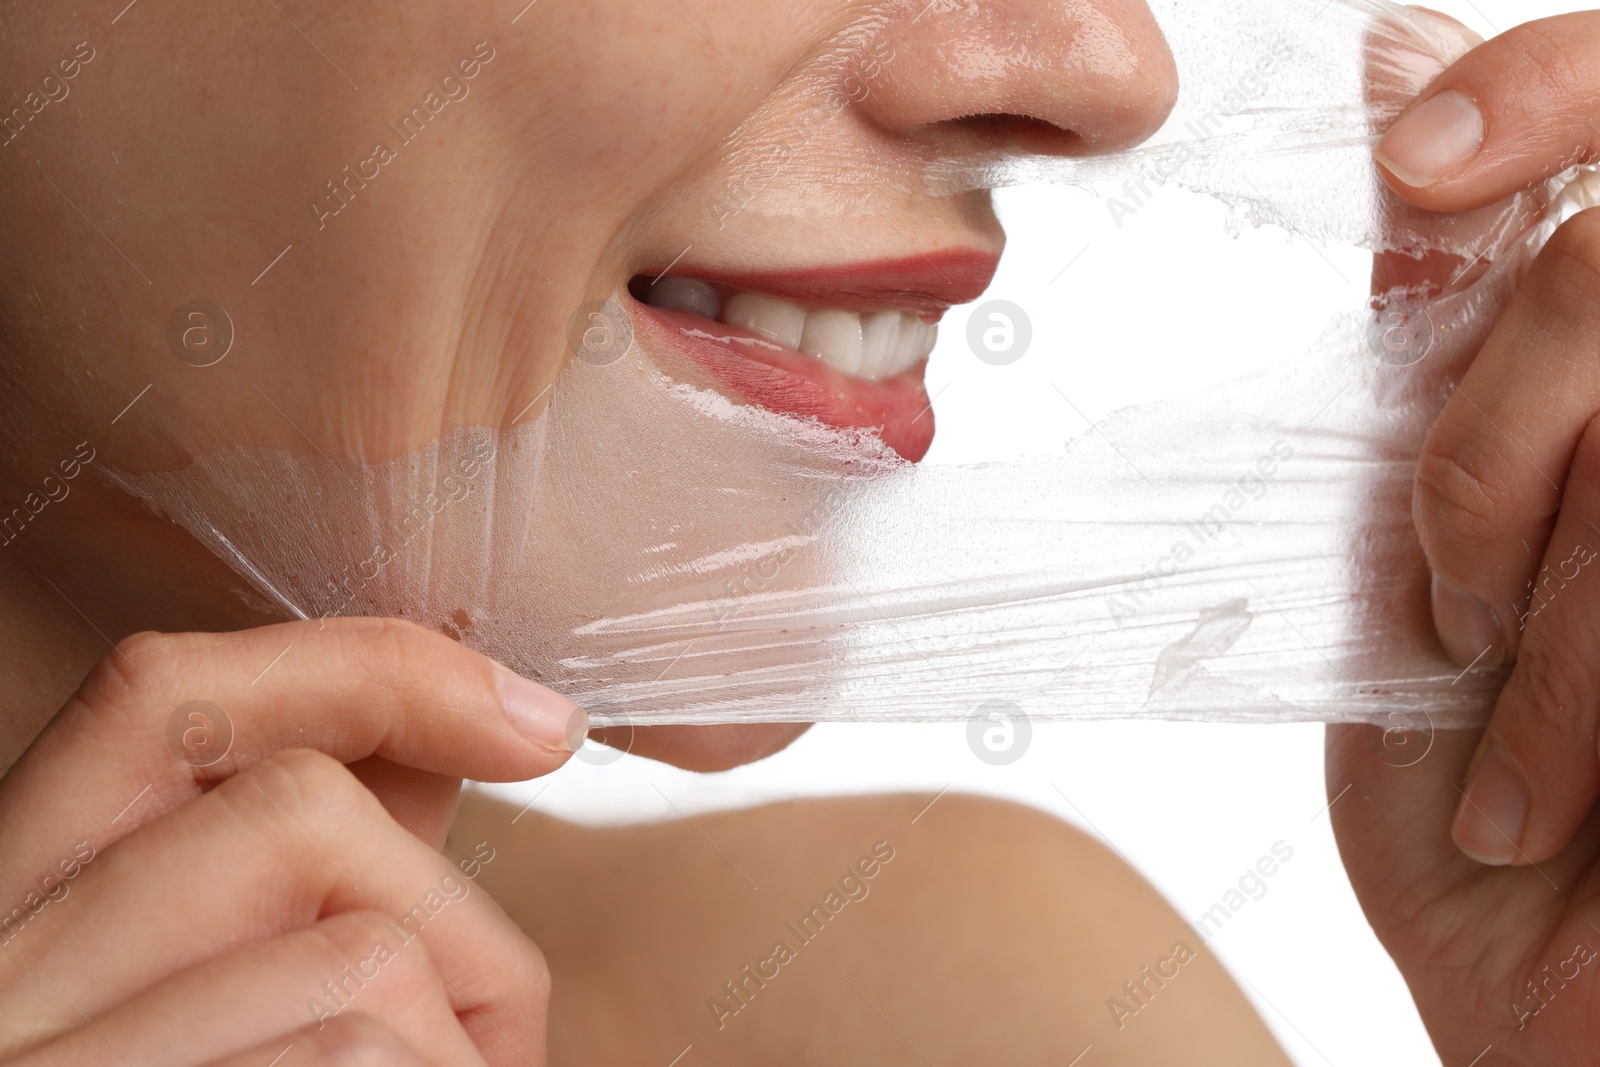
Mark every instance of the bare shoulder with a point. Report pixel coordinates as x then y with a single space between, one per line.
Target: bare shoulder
888 929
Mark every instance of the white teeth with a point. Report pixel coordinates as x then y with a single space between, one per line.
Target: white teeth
835 338
777 320
916 341
873 344
684 294
880 339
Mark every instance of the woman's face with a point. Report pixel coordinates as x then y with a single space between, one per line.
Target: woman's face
407 213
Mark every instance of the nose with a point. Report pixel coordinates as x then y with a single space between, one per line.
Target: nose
1063 77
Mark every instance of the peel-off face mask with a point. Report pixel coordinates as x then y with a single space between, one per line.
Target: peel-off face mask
663 554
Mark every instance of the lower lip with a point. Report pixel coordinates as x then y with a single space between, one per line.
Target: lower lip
780 379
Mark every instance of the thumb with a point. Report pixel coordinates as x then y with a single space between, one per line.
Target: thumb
1511 112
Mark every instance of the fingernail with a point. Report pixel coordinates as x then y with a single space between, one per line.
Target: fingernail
539 714
1491 816
1433 139
1468 628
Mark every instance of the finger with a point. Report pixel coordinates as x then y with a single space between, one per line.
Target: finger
1391 810
306 980
1491 473
1402 52
425 804
351 688
1395 800
290 841
1537 774
352 1040
1511 112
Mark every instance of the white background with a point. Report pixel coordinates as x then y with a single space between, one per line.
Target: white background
1191 806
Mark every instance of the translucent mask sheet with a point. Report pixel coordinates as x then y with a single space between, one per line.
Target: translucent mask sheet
662 554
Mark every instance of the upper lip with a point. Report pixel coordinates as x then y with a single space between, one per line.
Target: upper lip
923 284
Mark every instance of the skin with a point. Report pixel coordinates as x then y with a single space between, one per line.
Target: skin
187 158
196 142
1507 485
1028 926
184 148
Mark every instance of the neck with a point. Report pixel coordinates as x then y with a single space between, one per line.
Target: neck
45 650
101 568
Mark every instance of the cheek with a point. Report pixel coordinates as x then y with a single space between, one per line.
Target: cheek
706 748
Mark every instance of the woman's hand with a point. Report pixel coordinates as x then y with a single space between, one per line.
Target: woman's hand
1508 489
187 887
1500 940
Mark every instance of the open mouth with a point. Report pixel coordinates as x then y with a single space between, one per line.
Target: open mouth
844 345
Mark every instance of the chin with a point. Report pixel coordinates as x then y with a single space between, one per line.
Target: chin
704 748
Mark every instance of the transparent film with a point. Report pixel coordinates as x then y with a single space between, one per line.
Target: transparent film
662 553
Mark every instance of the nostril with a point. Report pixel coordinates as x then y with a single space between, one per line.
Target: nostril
1052 77
1022 133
